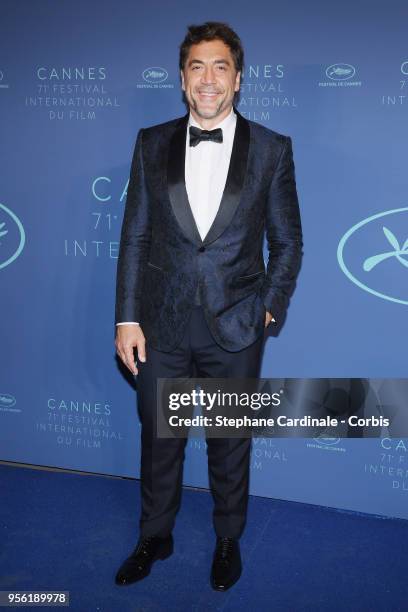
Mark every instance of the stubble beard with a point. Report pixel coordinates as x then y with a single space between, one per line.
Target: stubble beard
208 114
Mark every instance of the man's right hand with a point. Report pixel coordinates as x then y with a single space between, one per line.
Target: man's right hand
129 337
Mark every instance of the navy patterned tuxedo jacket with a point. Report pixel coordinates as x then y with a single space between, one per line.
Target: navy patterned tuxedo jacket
163 263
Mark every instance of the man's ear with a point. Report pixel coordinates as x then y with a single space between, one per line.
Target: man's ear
237 81
182 80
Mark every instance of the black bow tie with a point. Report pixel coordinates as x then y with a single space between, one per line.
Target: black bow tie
197 135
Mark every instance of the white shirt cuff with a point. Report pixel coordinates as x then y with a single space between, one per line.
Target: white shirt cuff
128 323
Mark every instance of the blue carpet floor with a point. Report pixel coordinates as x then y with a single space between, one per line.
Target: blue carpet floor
71 532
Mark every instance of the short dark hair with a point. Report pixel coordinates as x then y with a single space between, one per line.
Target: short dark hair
212 30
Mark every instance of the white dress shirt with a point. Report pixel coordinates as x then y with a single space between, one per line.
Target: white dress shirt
206 168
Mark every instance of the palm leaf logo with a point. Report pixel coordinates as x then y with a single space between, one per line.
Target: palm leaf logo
398 252
3 232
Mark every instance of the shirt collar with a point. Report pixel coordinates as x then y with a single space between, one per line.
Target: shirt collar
227 123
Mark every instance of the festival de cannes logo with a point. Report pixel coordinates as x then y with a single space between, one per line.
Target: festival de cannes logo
12 236
340 72
155 75
340 75
373 254
327 440
6 400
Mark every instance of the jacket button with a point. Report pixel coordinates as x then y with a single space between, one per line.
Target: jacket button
201 249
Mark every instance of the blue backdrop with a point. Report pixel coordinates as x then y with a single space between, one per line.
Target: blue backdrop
77 81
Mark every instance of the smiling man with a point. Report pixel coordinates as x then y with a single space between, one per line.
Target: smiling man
192 289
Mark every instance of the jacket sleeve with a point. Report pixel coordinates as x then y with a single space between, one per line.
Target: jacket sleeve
284 236
134 241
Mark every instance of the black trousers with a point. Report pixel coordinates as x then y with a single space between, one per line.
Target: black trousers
162 458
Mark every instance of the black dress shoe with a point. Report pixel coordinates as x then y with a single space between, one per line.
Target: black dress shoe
226 567
139 564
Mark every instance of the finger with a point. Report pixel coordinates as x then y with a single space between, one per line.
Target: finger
141 351
120 353
130 360
126 358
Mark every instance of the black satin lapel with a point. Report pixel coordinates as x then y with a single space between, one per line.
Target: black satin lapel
235 180
176 183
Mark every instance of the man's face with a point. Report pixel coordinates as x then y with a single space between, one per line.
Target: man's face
209 79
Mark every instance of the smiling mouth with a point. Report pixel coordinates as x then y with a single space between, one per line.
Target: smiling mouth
208 94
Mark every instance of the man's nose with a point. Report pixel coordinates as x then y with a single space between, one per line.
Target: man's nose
208 75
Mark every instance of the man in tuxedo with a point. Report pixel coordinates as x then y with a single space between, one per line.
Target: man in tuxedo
192 289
